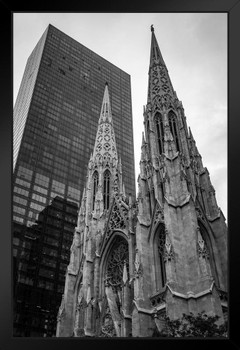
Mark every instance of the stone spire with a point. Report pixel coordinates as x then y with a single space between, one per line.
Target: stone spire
155 53
106 113
159 85
105 151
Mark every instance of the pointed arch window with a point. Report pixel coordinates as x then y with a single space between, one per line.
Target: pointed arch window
174 129
106 189
95 186
161 251
159 257
115 262
160 132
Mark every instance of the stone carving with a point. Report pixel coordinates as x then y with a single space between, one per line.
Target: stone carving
162 241
116 221
168 251
99 139
115 183
98 159
90 164
81 302
168 135
137 264
158 299
106 137
108 329
118 257
200 214
158 216
149 169
202 249
107 146
99 147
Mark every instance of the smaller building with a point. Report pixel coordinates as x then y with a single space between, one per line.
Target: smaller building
41 254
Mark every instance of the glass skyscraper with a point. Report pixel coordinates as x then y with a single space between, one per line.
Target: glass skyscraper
55 123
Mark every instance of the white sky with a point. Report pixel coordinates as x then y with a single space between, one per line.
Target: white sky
194 48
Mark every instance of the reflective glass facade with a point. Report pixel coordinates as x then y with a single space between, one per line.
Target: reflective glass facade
55 123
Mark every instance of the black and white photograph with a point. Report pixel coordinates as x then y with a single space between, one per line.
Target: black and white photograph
119 195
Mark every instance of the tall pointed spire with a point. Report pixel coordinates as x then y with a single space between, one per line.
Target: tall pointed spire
105 150
155 53
106 114
160 88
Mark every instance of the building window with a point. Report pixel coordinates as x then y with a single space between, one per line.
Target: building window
45 284
19 210
20 200
48 262
40 189
16 241
160 132
159 251
73 193
106 189
25 279
23 183
49 251
116 260
95 186
24 173
42 180
46 273
58 187
38 198
174 130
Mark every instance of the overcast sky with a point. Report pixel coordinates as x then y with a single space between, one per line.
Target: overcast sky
194 48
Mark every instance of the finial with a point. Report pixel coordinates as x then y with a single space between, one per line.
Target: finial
152 29
106 83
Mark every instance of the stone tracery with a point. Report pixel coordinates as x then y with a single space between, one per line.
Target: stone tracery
116 260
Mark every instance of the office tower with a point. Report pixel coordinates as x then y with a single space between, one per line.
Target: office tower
133 263
55 123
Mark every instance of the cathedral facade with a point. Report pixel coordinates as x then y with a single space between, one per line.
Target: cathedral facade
132 262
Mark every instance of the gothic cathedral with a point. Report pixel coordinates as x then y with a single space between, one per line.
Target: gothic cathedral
133 262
